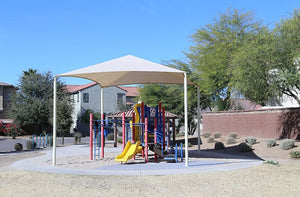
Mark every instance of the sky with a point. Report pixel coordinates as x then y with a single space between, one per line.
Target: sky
65 35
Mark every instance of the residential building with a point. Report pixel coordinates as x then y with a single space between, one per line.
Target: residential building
88 96
5 98
132 94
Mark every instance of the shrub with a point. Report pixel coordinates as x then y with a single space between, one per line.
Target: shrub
119 140
250 140
180 134
30 145
230 140
271 143
287 144
189 145
206 134
110 136
217 134
13 130
295 154
219 146
120 133
233 135
272 162
77 137
210 139
244 147
18 147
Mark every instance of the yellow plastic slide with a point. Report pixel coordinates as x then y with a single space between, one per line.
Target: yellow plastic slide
129 151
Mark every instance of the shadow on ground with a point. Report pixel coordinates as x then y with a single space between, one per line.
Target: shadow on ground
228 153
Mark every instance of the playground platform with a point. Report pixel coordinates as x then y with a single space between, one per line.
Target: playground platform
42 164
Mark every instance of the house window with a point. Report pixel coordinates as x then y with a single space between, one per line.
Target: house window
7 94
85 97
120 98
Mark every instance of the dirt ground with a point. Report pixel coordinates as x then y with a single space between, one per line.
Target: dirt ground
264 180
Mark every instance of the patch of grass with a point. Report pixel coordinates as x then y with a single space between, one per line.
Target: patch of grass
271 162
295 154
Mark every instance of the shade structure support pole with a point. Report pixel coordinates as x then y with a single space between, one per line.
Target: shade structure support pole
54 122
102 123
198 117
186 121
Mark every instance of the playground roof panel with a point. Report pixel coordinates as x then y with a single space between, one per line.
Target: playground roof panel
128 114
129 70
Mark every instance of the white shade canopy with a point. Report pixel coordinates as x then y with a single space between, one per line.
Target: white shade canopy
124 71
129 70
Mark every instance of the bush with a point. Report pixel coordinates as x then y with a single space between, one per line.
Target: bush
244 147
233 135
210 139
18 147
271 143
219 146
119 140
189 145
250 140
120 133
77 137
217 134
206 134
180 134
230 140
110 136
30 145
287 144
295 154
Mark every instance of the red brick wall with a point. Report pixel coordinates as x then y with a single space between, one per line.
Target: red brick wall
271 123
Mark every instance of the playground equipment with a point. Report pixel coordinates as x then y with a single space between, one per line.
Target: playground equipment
129 152
148 133
143 133
98 133
39 142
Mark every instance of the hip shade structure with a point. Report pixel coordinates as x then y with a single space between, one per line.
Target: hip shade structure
127 70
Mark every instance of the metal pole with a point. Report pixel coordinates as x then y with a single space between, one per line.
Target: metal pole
102 123
54 123
186 122
198 117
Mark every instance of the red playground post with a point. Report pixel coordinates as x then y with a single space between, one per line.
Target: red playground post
102 136
123 130
91 135
164 127
146 140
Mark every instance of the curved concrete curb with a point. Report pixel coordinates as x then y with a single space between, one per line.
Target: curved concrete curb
40 164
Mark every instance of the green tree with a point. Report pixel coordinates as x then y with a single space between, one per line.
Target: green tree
171 96
213 51
252 64
286 70
32 103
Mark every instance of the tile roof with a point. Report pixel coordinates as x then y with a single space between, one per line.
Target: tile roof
131 91
5 84
76 88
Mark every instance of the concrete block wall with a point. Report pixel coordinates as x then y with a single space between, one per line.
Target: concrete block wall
268 123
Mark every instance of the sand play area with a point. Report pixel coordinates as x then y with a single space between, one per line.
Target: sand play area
268 179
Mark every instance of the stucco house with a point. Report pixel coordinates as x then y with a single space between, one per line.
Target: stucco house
5 98
87 96
131 94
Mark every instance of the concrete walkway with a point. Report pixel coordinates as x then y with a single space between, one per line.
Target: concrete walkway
40 164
